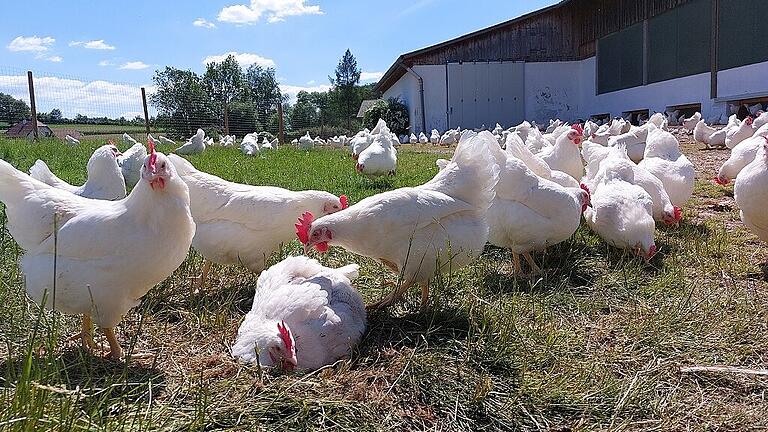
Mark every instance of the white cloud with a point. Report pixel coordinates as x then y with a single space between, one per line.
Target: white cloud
371 76
245 59
275 10
72 97
94 44
55 59
311 82
31 43
292 90
134 65
106 63
202 22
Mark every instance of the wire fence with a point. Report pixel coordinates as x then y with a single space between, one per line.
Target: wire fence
102 110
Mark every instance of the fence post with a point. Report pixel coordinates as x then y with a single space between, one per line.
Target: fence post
280 123
32 103
146 113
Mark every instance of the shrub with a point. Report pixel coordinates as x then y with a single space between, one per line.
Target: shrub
393 111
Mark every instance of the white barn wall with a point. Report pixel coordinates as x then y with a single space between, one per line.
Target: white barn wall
567 90
744 80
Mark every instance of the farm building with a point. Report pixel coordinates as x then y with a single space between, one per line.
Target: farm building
584 58
24 129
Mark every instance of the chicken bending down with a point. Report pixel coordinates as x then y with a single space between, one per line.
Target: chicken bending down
304 316
105 180
130 163
417 232
530 213
243 224
108 254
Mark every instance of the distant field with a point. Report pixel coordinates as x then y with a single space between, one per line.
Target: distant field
595 342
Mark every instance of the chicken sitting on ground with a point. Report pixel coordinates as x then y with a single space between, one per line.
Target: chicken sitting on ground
195 145
243 224
380 157
108 254
418 231
530 213
664 160
741 155
752 195
304 316
105 180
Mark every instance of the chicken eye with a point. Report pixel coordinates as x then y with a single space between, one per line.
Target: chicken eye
163 165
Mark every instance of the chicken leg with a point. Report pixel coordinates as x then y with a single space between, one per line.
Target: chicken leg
86 334
424 296
516 263
203 276
392 298
115 350
529 259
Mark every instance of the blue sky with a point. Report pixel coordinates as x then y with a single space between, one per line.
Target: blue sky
303 39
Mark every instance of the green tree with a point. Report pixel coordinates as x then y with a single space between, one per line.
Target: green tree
263 91
224 83
55 116
304 113
347 76
181 97
13 110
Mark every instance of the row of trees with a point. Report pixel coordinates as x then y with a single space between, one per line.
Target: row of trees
14 110
227 99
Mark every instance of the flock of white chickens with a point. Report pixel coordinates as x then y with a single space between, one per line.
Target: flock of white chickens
517 188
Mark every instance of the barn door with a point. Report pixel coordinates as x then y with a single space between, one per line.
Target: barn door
485 93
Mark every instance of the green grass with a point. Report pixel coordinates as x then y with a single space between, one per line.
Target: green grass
594 343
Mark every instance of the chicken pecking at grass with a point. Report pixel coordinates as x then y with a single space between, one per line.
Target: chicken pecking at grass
419 231
107 254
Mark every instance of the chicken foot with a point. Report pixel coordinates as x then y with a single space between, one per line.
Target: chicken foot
529 259
392 298
86 334
203 276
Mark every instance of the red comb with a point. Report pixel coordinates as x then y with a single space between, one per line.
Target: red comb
584 187
285 335
344 202
678 214
110 142
577 127
302 227
749 120
152 154
721 182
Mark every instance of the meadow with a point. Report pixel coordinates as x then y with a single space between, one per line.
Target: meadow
599 340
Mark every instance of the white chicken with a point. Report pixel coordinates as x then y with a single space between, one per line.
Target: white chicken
166 140
250 145
751 194
515 147
195 145
418 231
360 142
108 254
105 180
530 213
306 142
243 224
379 158
709 136
664 160
633 141
413 139
130 163
434 137
738 134
423 138
565 155
621 213
128 140
741 155
72 140
304 316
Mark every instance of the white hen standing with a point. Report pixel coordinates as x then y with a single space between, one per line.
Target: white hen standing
379 158
243 224
530 213
664 160
105 179
418 231
304 316
565 155
109 253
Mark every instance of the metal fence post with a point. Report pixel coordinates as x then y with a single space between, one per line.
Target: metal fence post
280 123
32 103
146 113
